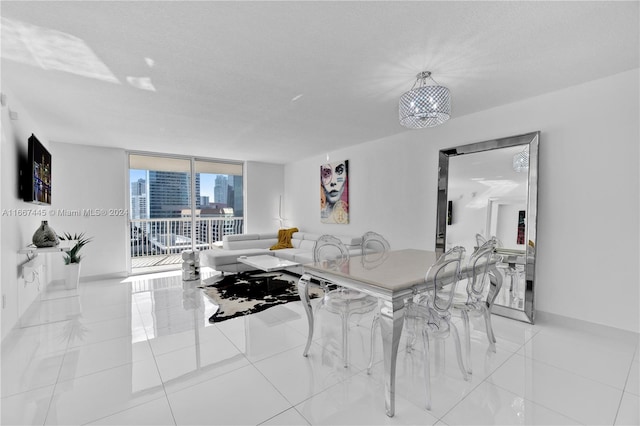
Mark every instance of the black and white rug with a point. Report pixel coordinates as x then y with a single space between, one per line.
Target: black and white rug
247 293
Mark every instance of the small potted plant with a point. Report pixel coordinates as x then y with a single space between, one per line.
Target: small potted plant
72 258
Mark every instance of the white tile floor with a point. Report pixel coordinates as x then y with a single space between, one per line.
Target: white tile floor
141 351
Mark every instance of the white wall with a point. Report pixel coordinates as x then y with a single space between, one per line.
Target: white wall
588 193
17 230
264 186
92 179
507 224
467 222
387 189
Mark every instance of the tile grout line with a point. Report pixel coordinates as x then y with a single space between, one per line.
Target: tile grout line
578 374
55 386
537 403
485 380
572 372
292 406
615 418
269 381
557 368
142 403
155 361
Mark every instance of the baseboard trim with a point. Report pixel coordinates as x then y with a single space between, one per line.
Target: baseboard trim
543 317
98 277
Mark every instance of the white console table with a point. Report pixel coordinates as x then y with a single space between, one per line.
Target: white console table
32 252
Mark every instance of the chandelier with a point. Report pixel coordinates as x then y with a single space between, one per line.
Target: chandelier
521 161
424 105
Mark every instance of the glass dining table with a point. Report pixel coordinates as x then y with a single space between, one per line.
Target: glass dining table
392 277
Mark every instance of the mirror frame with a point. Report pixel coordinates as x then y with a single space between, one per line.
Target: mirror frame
527 314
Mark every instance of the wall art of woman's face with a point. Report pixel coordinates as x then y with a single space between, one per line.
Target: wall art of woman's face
333 178
334 192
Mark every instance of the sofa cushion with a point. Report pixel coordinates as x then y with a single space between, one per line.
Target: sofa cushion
296 239
350 241
295 255
310 236
268 235
240 237
215 258
288 253
249 244
345 239
307 245
303 257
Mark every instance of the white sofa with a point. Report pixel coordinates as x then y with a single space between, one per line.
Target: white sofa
225 259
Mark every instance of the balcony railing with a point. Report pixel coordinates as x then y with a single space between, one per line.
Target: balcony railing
169 237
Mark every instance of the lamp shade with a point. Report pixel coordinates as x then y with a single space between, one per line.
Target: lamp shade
424 106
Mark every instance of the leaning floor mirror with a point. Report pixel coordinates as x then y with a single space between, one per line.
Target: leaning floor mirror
489 189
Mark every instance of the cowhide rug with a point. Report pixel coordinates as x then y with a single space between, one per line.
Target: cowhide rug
247 293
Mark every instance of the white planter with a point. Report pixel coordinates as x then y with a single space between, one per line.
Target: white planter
72 275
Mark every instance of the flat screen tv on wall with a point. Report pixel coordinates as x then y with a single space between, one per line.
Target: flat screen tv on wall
37 188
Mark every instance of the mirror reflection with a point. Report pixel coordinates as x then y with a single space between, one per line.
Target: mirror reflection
488 198
486 190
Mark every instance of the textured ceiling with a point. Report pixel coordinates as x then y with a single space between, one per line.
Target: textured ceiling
280 81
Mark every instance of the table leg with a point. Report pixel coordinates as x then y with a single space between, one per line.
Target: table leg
303 292
391 321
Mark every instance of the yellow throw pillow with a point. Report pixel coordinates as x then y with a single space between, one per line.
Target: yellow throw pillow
284 239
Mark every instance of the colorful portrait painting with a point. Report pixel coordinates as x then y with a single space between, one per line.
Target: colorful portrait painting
334 192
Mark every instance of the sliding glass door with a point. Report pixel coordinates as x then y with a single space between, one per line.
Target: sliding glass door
180 203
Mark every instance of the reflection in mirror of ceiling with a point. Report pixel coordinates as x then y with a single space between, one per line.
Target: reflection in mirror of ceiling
480 176
496 189
51 50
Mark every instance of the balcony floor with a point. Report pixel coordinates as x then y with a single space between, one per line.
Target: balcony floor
154 261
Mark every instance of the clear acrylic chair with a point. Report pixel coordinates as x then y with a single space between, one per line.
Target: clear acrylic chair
375 249
330 250
431 310
512 267
477 299
372 242
340 300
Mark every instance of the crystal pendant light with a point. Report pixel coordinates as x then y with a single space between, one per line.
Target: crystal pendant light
424 105
521 161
